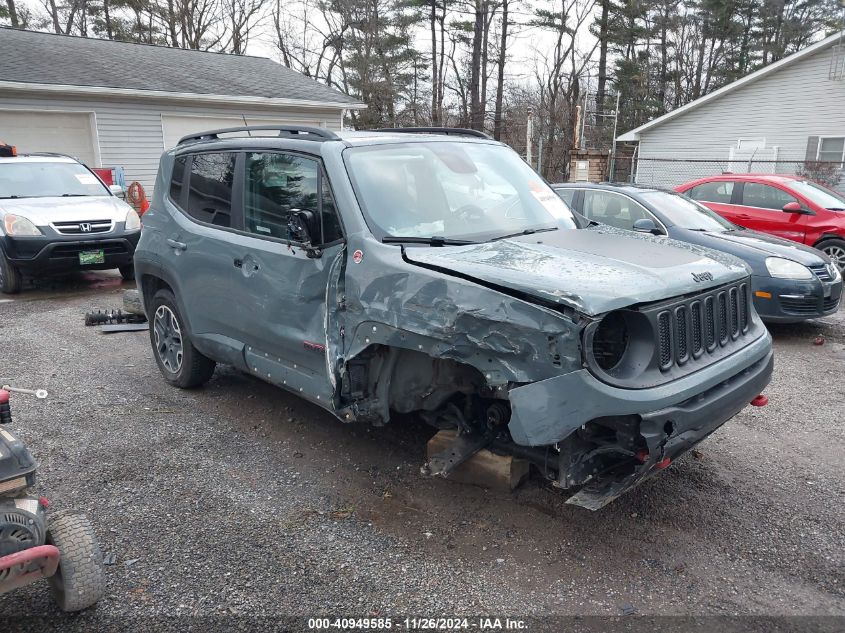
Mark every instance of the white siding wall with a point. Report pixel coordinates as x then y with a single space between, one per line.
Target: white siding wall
129 132
784 107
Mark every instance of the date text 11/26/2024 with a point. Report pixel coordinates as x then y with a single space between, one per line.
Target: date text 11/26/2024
419 624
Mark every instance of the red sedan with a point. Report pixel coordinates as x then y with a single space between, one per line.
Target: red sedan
786 206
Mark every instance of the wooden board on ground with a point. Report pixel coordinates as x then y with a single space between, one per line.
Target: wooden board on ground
485 468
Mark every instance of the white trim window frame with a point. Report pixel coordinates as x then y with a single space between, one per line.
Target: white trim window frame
819 150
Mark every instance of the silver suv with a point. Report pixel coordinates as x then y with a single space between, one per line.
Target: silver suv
57 216
433 272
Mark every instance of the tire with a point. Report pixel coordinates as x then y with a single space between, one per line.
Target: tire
835 249
127 272
10 277
181 364
79 580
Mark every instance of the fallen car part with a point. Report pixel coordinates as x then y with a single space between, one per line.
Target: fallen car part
125 327
100 317
38 393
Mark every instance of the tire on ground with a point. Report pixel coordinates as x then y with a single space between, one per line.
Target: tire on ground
196 369
10 277
79 580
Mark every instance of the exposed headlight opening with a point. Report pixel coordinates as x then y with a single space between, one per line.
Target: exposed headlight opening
18 225
133 221
787 269
610 341
620 344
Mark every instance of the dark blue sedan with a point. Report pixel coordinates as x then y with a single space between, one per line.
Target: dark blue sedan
790 282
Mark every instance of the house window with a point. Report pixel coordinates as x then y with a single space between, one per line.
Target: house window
832 150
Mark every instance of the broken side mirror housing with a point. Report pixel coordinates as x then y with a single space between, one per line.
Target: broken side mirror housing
647 225
117 190
302 227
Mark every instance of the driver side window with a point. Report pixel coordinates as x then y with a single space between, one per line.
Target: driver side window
613 209
277 185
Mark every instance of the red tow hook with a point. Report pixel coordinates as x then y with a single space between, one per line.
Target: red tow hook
663 463
760 401
642 456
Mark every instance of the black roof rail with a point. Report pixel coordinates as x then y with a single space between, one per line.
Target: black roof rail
453 131
304 131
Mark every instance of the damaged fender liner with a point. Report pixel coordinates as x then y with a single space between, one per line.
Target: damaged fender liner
545 412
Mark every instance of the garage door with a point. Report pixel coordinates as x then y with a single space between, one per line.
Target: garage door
62 132
175 127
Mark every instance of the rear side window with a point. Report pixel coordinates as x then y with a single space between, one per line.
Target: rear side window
210 188
567 195
613 209
177 178
755 194
719 191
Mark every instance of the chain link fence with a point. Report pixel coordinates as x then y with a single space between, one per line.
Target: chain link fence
671 172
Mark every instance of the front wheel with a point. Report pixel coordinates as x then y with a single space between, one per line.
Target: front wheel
10 277
181 364
835 249
79 580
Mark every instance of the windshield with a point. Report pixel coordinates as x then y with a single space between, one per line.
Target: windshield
684 213
452 190
45 179
819 195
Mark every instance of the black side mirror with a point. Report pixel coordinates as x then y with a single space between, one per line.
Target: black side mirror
647 225
302 228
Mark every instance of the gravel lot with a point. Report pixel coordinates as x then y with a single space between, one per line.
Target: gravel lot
242 499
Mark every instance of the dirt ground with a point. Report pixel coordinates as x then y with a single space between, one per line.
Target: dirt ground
241 499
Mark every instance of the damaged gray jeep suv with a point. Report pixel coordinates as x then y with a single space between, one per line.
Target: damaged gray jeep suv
432 272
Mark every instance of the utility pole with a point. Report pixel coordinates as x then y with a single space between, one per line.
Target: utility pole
613 149
529 134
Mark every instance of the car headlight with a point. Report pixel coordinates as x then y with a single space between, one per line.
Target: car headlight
787 269
834 272
133 221
18 225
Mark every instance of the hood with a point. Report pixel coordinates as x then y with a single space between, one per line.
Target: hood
592 271
43 211
750 245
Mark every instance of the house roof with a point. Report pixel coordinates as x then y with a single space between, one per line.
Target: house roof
634 135
62 63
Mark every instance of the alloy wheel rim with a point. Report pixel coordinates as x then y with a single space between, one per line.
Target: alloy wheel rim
168 339
837 254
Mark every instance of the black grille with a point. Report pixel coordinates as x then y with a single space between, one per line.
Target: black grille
697 321
799 305
709 324
821 271
702 325
664 324
723 318
681 330
830 303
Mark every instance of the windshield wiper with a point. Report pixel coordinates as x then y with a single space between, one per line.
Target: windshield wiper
13 197
74 195
525 232
434 240
835 208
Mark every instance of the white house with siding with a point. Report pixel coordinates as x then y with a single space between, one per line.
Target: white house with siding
774 120
122 104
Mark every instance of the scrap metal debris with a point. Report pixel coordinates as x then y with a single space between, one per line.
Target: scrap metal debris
112 317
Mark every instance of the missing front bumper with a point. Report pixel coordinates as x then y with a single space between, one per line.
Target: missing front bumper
663 436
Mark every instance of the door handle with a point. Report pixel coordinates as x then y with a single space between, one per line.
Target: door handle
179 246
